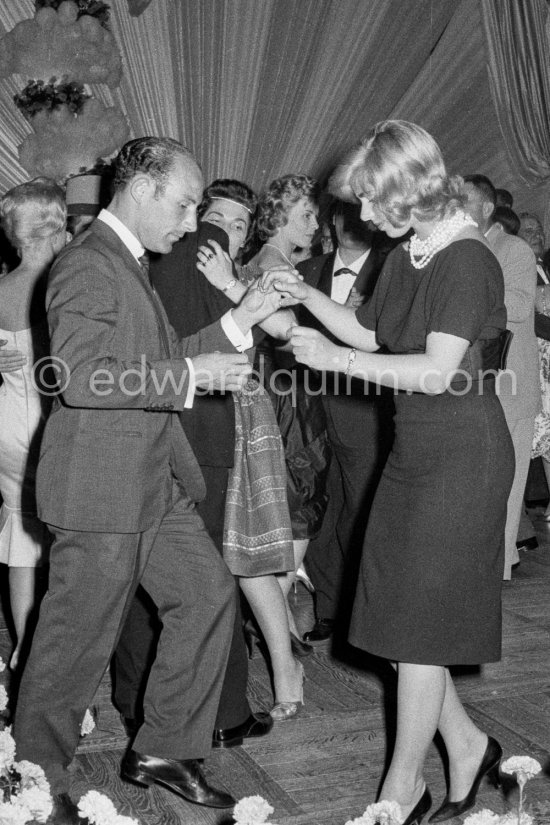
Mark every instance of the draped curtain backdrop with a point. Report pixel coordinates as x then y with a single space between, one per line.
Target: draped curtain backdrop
259 88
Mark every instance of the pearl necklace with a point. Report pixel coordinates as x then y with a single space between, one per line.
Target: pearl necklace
444 232
281 251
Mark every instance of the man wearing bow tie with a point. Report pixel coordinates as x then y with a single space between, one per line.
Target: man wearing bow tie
359 426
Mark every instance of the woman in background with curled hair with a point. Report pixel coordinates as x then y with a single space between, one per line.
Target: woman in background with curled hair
428 594
287 221
33 216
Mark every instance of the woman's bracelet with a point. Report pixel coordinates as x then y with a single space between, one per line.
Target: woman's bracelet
352 354
230 285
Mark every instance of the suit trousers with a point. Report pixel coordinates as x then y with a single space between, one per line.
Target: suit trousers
360 432
521 431
93 577
136 649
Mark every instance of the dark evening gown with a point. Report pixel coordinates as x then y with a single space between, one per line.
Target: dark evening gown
429 587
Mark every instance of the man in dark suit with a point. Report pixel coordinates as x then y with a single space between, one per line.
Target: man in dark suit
192 303
117 484
358 424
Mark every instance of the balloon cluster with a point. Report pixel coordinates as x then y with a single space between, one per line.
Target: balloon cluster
63 144
57 43
61 49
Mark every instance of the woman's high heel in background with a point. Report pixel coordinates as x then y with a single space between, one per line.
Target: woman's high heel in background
489 767
286 710
299 648
302 576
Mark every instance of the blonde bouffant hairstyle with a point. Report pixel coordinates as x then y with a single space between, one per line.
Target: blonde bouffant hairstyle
400 169
33 211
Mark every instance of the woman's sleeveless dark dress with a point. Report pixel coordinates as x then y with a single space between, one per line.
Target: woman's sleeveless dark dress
430 581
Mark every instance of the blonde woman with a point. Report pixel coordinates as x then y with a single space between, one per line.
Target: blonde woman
428 594
33 217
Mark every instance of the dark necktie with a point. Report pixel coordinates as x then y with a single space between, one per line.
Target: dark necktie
345 271
144 264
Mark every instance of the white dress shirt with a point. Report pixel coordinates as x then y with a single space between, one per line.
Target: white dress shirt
341 286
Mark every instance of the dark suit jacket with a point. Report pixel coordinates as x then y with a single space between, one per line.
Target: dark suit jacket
111 438
192 303
318 272
542 322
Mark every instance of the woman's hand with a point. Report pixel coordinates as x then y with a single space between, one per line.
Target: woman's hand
312 348
215 264
285 280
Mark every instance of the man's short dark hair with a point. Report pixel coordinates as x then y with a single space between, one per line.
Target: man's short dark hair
484 185
504 198
508 219
153 155
352 223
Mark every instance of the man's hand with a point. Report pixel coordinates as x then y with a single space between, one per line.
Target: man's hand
355 299
221 370
258 303
11 360
312 348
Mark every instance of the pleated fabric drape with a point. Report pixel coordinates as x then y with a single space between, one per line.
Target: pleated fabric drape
259 88
519 71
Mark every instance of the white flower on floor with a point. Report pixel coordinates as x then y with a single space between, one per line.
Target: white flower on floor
35 800
511 818
484 817
252 810
523 767
13 815
31 775
3 698
386 812
7 750
88 723
99 810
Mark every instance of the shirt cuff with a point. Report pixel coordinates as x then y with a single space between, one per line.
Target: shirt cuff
240 342
190 397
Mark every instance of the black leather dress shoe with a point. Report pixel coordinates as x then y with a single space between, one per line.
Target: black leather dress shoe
321 630
527 544
64 811
257 724
184 777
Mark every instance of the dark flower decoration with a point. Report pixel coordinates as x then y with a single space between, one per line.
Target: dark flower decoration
38 96
95 8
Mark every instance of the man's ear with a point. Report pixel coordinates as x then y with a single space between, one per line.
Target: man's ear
140 187
488 209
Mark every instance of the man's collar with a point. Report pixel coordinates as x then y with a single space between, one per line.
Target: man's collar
356 266
126 236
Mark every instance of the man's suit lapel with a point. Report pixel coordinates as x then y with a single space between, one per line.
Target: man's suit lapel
135 271
324 284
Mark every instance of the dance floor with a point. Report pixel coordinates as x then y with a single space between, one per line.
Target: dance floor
324 767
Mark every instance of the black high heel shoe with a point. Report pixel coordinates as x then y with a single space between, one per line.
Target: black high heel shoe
489 767
299 648
420 809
